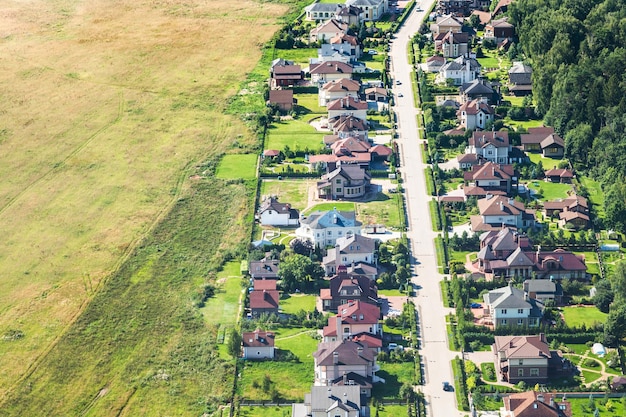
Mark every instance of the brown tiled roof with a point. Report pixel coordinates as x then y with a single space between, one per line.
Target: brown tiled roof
558 172
355 158
356 312
343 84
475 191
368 340
347 103
271 152
565 261
523 347
568 216
490 171
536 404
500 206
349 145
553 139
264 284
474 107
264 299
467 157
570 202
281 96
348 353
331 67
381 150
258 338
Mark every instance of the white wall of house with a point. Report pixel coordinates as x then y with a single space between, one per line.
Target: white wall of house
324 78
274 218
510 220
258 352
359 114
326 97
327 236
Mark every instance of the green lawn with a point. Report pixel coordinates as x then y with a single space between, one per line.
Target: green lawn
547 162
580 407
237 166
310 103
248 411
394 374
390 411
294 192
576 316
390 293
514 100
590 376
459 256
292 303
386 209
298 55
292 380
550 190
297 134
596 196
515 124
341 206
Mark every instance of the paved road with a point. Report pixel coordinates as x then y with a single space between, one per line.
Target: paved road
435 353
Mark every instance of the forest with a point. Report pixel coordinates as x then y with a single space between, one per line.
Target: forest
577 50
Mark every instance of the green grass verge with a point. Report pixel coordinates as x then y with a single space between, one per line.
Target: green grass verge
577 316
390 411
489 371
435 215
443 286
140 338
430 183
237 166
441 253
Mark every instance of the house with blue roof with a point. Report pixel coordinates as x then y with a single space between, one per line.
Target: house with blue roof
323 228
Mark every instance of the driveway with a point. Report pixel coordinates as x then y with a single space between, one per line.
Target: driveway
434 349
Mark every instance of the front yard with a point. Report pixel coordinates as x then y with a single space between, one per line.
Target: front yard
577 316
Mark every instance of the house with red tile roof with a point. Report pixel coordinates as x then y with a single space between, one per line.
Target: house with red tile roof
337 89
562 175
283 99
499 211
490 179
345 288
544 140
573 211
535 404
285 73
334 359
475 114
264 301
258 345
528 359
328 71
354 319
347 106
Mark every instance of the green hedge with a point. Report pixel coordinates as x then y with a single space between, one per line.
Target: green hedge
459 384
430 181
435 215
442 258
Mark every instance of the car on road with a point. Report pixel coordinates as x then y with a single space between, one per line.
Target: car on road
398 82
400 95
447 386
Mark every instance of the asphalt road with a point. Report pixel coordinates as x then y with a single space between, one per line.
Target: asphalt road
434 349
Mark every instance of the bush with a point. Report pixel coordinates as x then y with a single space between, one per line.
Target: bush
591 363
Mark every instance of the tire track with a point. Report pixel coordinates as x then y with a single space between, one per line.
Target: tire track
56 167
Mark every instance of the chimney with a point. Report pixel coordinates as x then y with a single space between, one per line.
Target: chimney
339 329
525 296
256 335
345 379
359 350
552 401
540 397
542 337
335 358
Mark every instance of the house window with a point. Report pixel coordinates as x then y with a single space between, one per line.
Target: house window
520 362
503 322
338 181
534 371
346 330
520 372
344 259
520 311
329 233
533 322
338 189
520 322
504 311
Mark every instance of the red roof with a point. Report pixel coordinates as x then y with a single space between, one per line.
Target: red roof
264 284
266 299
331 67
258 338
381 150
271 152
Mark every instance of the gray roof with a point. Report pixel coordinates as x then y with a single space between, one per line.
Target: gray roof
347 353
540 286
476 87
323 399
507 297
350 172
323 7
332 218
519 258
363 3
354 244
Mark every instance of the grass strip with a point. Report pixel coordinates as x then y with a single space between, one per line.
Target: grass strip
435 215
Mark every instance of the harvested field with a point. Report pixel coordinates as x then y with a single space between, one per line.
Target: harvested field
107 108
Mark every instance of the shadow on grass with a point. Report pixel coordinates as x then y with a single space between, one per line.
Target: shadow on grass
389 390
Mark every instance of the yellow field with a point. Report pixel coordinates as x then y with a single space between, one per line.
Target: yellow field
103 107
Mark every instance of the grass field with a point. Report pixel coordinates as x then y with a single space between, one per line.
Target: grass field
385 209
297 134
292 303
292 380
340 206
576 316
550 190
237 166
580 407
596 196
294 192
108 110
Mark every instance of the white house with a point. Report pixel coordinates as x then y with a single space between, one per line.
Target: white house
347 106
323 228
491 146
498 211
461 70
321 11
510 306
273 213
350 250
258 345
338 89
353 319
333 401
330 70
327 30
334 359
475 114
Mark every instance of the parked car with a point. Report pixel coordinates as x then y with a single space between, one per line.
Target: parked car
476 305
400 95
398 82
447 386
372 52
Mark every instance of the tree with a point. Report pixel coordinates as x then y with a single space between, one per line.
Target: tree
234 343
615 326
297 272
604 295
301 246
